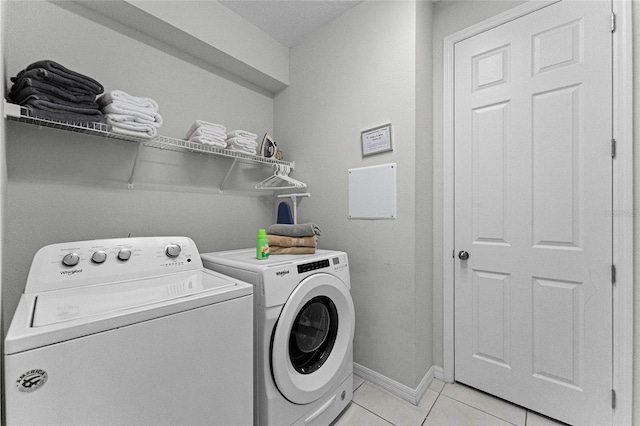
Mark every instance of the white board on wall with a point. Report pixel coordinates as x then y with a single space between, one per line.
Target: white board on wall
372 192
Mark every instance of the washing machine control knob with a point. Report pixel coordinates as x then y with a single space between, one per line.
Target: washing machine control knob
70 259
173 250
124 254
99 256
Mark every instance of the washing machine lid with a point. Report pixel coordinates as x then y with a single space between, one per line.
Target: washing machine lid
80 302
50 317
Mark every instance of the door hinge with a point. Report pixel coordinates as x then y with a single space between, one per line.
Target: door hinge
613 274
613 148
613 398
613 22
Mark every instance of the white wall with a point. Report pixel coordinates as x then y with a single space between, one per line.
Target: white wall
636 211
65 186
424 185
3 204
358 72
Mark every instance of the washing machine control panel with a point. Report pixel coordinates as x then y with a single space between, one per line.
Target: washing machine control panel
93 262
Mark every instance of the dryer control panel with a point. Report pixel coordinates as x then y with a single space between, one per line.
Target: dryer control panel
312 266
324 263
83 263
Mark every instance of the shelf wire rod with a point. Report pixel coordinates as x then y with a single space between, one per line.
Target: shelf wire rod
135 165
235 160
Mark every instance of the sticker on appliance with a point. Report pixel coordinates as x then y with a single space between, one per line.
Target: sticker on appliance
32 380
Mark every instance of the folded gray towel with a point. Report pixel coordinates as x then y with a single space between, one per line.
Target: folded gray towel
70 78
51 111
298 230
55 107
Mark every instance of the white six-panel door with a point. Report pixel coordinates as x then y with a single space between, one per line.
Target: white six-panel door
533 170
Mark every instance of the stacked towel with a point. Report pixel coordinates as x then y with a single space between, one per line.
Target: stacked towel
208 133
242 141
52 92
293 239
130 115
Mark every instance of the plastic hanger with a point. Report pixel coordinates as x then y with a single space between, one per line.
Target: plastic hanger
280 179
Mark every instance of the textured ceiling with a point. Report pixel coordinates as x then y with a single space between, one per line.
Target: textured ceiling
289 21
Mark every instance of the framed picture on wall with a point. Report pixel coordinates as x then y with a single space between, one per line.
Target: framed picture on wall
376 140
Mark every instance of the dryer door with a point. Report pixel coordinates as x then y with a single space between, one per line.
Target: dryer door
313 339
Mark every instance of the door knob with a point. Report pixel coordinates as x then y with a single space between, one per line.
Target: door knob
463 255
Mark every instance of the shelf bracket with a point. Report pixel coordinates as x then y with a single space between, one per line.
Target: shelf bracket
135 165
235 160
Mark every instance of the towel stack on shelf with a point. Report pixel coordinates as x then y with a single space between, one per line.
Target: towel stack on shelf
293 239
208 133
52 92
242 141
130 115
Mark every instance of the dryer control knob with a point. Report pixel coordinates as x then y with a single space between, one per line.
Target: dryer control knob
99 257
70 259
172 250
124 254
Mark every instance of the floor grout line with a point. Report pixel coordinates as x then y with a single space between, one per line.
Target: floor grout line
482 411
431 409
374 413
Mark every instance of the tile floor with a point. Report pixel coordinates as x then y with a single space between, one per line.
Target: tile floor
442 404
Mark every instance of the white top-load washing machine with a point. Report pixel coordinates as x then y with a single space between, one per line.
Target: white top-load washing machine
303 322
129 331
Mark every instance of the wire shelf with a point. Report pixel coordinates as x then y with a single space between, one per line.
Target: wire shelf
22 114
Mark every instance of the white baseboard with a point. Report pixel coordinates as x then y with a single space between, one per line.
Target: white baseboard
398 389
438 372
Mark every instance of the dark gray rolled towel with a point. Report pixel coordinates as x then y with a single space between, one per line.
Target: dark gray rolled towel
297 230
69 94
59 80
55 71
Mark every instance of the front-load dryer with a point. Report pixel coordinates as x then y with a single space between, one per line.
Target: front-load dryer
303 333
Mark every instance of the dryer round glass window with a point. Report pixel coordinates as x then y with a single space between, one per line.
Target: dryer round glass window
318 318
313 334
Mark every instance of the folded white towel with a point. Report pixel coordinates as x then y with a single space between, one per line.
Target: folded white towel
130 118
202 123
146 115
120 130
119 95
242 142
132 128
242 133
207 141
208 131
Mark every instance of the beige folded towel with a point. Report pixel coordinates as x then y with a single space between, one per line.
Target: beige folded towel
283 241
291 250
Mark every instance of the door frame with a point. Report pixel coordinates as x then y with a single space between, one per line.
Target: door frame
622 205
